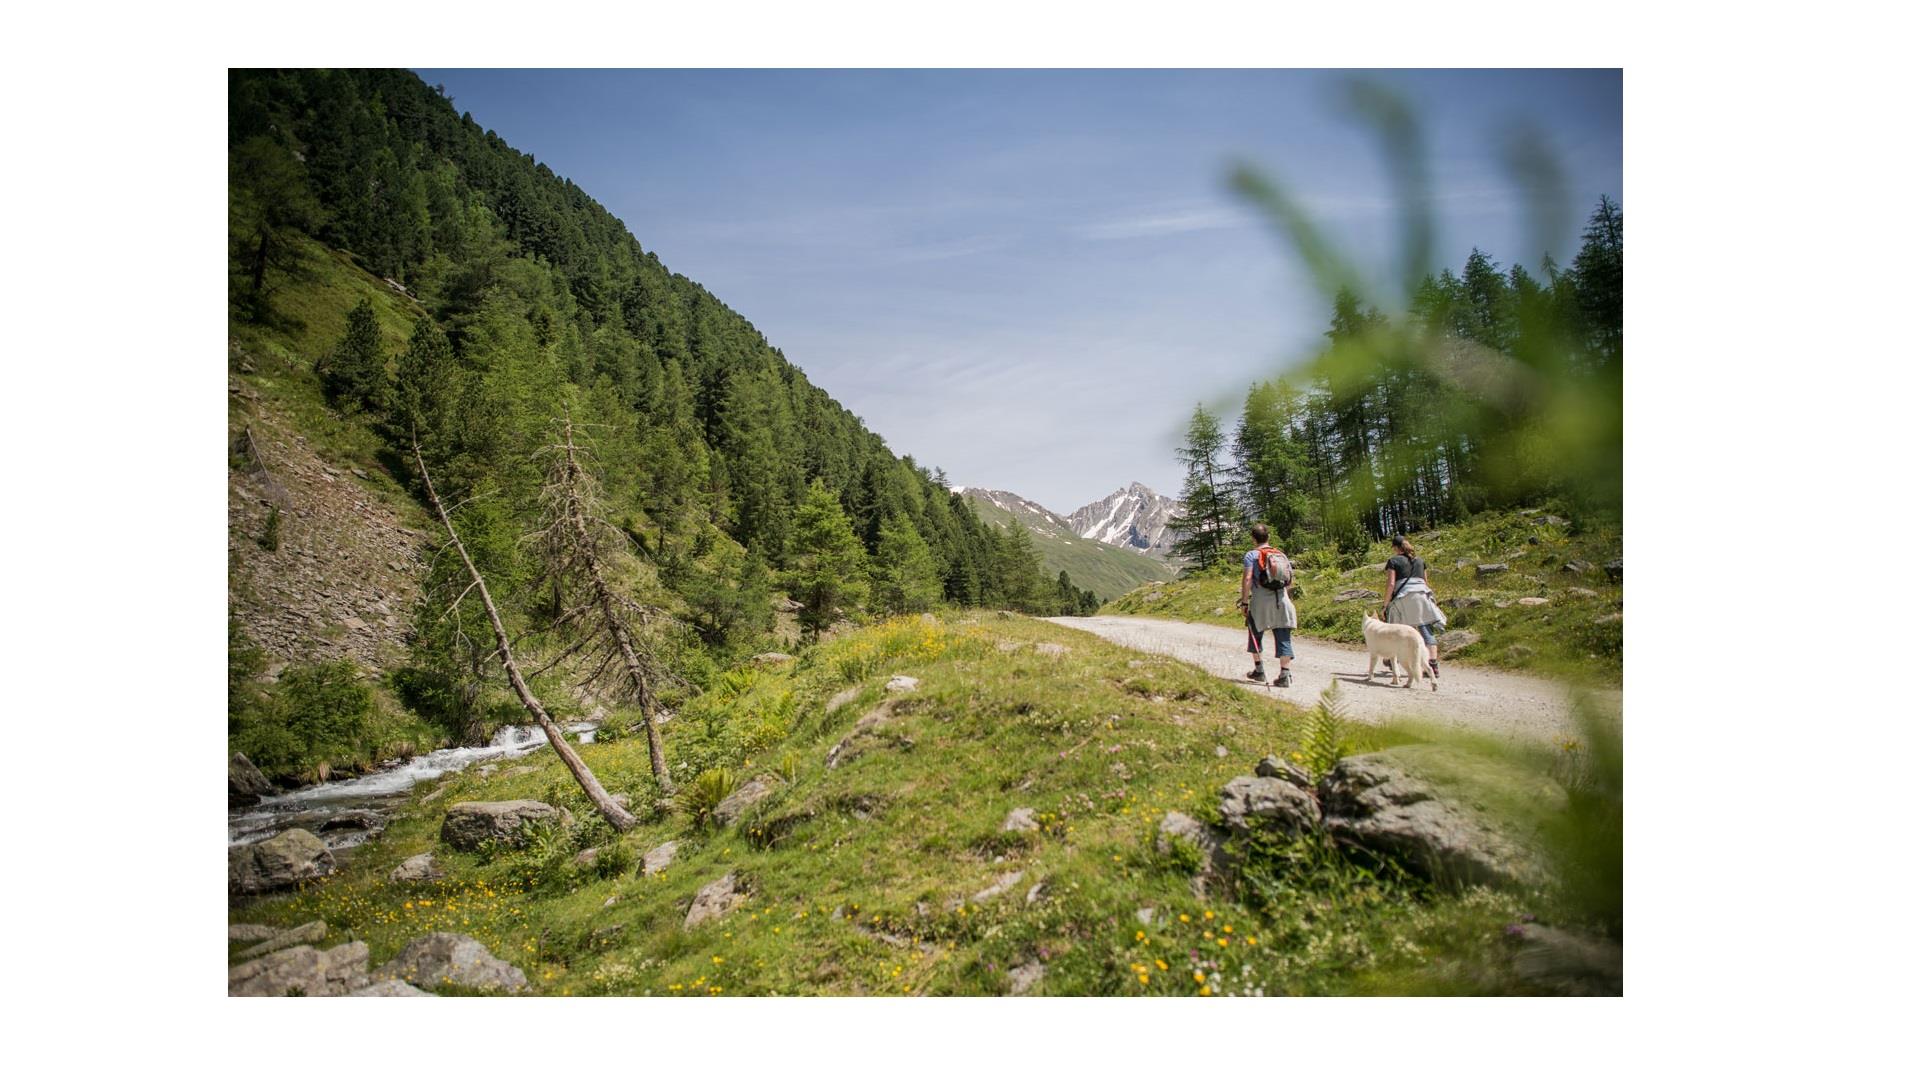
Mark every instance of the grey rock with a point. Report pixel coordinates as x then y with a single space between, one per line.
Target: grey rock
1346 595
390 988
653 862
1566 963
742 799
1578 566
246 785
1021 980
468 825
1176 826
1268 804
302 971
1000 885
1609 617
304 934
1461 603
585 856
1020 819
250 932
1519 652
771 659
1613 570
1039 891
900 684
418 868
1050 648
1219 751
1584 594
1010 646
1490 569
1454 640
1532 601
841 699
351 820
280 862
518 770
853 743
715 899
1552 519
1281 769
444 959
1144 916
1376 802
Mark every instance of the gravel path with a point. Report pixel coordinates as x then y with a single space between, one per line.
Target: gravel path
1491 701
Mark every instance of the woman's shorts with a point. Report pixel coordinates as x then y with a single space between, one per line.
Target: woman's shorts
1426 632
1282 641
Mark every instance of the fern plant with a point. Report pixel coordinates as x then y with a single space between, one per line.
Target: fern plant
698 799
1325 739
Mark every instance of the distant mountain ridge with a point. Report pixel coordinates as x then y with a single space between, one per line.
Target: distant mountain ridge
1108 570
1134 517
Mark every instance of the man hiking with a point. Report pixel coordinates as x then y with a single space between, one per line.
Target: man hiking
1265 582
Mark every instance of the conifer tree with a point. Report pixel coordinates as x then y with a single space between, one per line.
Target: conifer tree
905 576
355 372
1205 512
829 566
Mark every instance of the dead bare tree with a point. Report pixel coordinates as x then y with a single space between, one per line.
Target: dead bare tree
580 545
616 815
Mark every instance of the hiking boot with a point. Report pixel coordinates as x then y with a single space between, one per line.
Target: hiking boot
1258 674
1285 678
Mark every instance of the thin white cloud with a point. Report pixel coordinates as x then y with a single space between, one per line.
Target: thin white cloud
1165 223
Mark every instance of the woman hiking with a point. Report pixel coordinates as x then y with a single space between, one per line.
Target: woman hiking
1265 581
1409 600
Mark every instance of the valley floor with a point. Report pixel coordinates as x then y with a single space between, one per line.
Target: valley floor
1478 699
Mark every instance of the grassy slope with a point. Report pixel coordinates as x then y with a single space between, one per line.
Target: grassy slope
1107 570
1573 635
1099 747
312 318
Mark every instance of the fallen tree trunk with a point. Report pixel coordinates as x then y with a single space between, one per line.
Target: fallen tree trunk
616 815
610 610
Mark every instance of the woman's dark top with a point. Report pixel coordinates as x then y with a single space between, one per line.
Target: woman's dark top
1406 566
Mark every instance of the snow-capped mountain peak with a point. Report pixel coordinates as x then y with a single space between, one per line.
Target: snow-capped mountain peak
1135 517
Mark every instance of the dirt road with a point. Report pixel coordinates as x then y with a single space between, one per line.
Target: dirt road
1490 701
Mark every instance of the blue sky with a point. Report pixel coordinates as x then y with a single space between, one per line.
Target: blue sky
1029 278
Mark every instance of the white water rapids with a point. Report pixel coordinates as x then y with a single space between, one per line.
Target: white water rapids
346 802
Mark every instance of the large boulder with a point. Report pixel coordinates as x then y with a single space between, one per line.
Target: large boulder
1379 803
1490 569
469 825
445 959
1269 805
1020 819
743 798
279 862
302 971
715 899
1454 640
246 785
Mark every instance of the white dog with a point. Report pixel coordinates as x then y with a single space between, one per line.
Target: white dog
1397 642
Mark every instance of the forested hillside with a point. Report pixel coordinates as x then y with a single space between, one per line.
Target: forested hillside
400 276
